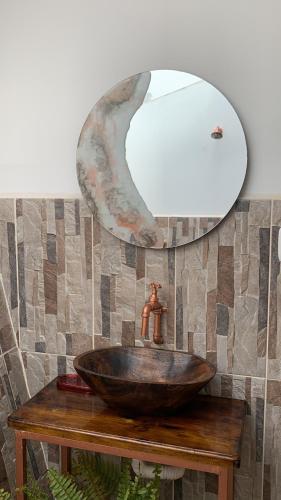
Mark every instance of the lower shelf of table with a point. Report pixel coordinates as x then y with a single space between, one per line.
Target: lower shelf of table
223 468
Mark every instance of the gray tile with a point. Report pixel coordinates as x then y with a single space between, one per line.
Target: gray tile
128 333
59 209
7 334
105 304
12 264
222 319
242 206
130 255
51 248
272 465
22 300
179 318
77 217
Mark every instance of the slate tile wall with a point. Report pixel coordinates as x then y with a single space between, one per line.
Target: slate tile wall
14 391
222 290
69 285
272 462
122 274
8 265
183 230
54 240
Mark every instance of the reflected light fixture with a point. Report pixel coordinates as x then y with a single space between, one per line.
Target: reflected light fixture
217 133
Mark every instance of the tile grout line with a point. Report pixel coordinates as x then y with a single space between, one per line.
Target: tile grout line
17 267
239 375
69 356
11 350
267 345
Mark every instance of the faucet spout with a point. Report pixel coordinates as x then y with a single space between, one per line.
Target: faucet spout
145 320
153 306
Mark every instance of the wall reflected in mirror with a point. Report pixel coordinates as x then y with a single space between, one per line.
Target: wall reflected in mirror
161 158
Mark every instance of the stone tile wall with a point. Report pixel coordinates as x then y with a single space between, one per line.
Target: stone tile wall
14 391
272 460
182 230
68 285
54 244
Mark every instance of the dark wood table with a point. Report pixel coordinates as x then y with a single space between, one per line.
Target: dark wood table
205 437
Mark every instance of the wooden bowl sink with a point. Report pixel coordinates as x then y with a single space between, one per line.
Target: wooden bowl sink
139 380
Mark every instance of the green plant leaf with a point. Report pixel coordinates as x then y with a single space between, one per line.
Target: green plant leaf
94 478
64 487
4 495
33 489
153 487
124 486
99 477
137 488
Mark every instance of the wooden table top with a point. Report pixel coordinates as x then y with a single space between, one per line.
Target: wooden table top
210 426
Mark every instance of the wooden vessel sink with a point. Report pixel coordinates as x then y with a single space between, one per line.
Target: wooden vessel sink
138 380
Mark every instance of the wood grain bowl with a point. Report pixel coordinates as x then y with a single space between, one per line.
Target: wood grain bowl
143 381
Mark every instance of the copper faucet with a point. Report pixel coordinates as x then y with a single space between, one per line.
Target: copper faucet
153 305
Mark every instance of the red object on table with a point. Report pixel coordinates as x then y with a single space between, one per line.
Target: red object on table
72 382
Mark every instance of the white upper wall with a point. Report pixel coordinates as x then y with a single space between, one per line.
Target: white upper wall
57 57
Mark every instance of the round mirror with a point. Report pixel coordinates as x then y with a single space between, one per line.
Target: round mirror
161 158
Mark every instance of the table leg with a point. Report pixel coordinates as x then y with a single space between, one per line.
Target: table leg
226 482
65 459
20 465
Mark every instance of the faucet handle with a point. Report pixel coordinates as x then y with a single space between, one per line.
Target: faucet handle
154 286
